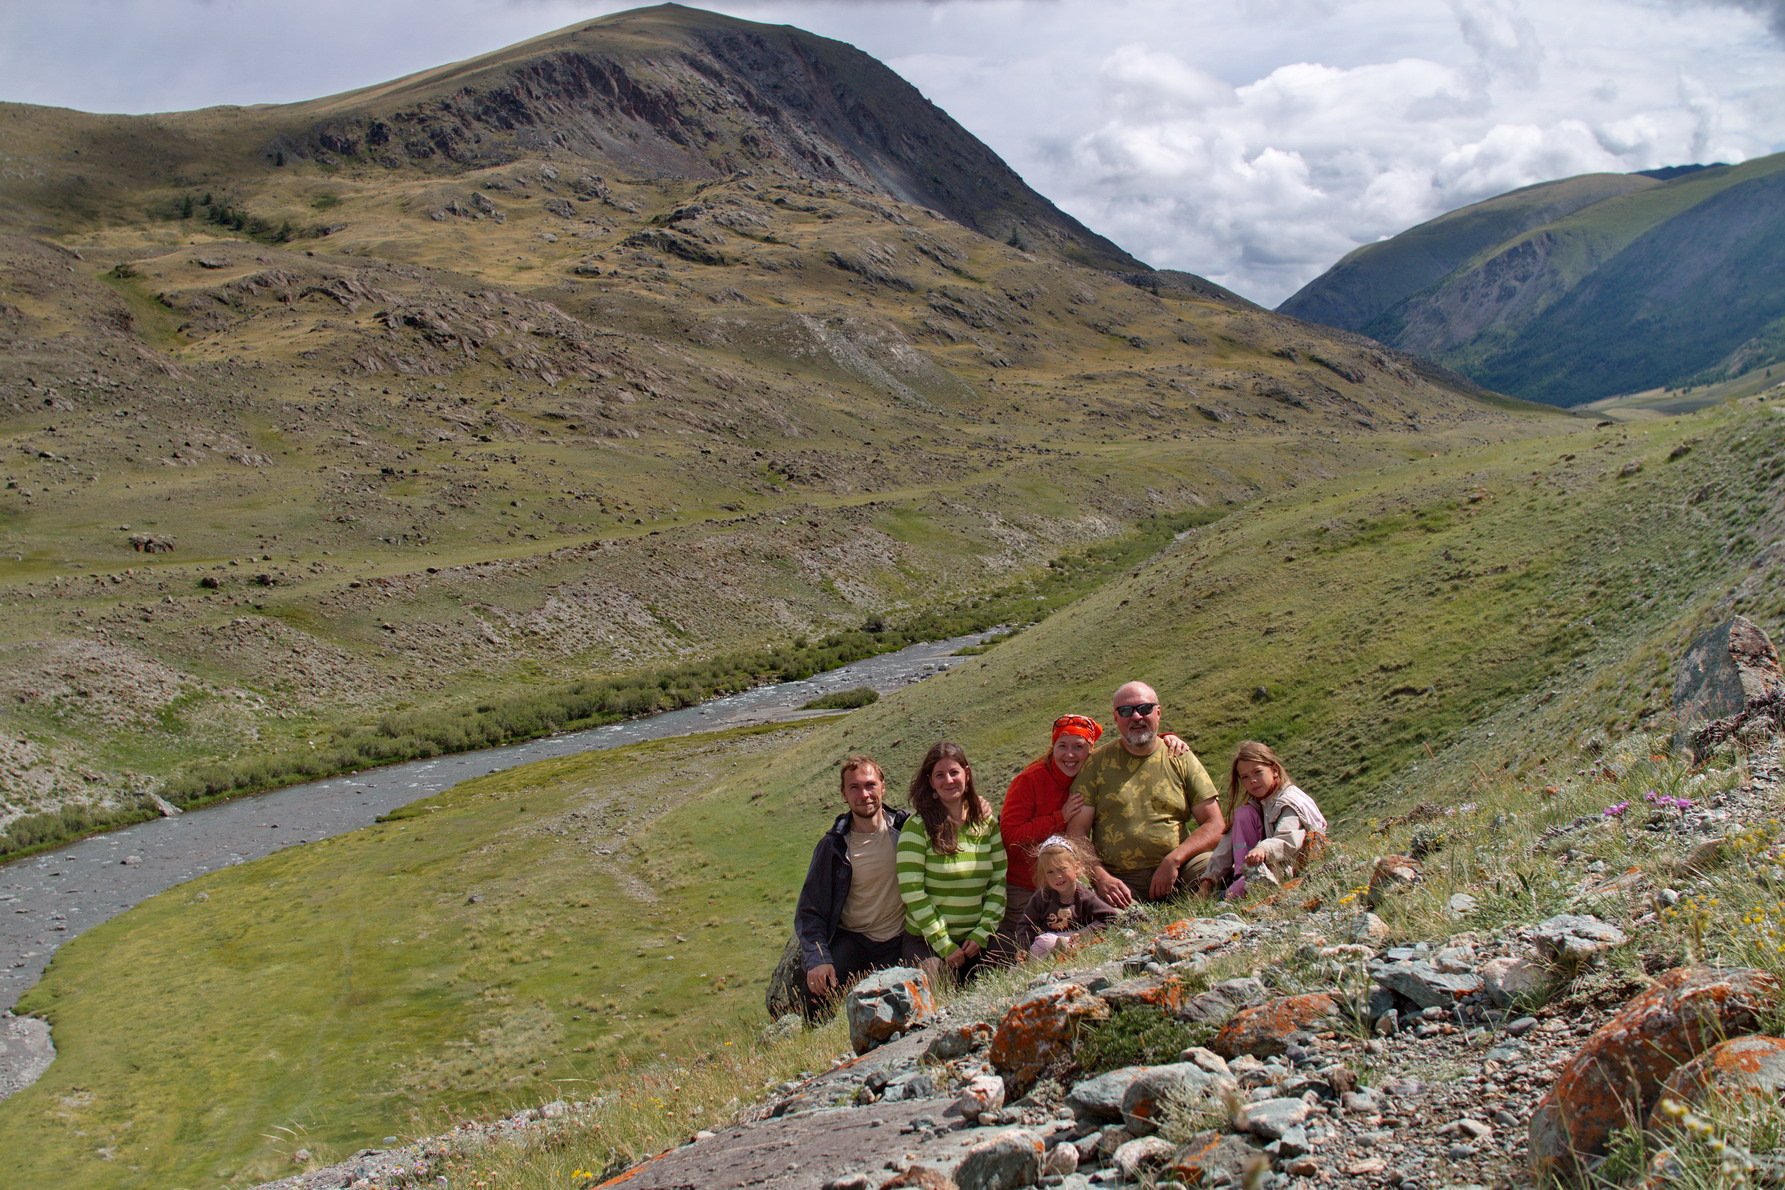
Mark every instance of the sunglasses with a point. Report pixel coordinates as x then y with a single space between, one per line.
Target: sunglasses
1136 709
1080 721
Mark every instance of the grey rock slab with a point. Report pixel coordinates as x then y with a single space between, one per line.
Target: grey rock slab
823 1146
1423 983
1005 1161
1101 1097
1271 1118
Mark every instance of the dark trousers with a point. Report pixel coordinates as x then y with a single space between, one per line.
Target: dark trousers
853 955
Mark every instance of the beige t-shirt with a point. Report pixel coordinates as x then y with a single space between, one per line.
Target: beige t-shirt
873 906
1142 803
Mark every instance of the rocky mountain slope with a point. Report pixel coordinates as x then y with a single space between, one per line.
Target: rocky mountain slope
1580 289
665 335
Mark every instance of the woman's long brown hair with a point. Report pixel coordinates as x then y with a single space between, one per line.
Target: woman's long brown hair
929 807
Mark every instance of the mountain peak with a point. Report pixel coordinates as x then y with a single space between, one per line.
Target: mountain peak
680 92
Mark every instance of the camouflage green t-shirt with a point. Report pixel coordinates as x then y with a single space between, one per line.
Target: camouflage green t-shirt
1142 803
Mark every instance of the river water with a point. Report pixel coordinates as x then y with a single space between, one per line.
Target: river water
47 899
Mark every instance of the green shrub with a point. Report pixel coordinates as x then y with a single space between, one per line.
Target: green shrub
844 700
1136 1036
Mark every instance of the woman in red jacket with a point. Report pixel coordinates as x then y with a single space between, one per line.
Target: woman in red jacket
1039 803
1035 804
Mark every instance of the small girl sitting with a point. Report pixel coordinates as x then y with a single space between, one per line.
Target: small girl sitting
1273 834
1061 908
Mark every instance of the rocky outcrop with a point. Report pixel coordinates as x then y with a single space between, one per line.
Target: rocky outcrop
1729 684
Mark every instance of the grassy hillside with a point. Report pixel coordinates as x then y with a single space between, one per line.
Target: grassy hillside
1375 278
1617 290
595 370
1432 627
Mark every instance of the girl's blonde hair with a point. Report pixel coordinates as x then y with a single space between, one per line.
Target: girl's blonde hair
1251 752
1078 850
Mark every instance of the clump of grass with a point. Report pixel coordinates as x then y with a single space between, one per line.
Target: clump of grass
1136 1036
844 700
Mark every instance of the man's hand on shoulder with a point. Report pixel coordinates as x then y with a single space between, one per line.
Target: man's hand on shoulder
822 979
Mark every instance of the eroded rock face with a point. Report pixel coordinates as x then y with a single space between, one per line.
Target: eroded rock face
1616 1076
1038 1030
1729 674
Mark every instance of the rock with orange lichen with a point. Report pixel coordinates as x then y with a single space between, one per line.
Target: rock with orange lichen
1186 939
1740 1068
886 1004
1167 994
1615 1078
1216 1158
1265 1029
1038 1031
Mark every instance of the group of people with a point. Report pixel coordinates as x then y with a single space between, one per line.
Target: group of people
1084 831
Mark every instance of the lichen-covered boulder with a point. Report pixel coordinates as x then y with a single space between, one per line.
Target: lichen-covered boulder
1264 1029
1038 1031
1616 1076
1740 1068
886 1004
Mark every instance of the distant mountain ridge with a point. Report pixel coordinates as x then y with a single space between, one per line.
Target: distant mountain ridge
1584 288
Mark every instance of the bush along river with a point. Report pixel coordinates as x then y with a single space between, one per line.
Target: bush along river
47 899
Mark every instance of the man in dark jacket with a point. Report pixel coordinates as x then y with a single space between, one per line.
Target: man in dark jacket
850 918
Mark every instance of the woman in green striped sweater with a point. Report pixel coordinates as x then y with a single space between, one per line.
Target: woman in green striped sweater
951 867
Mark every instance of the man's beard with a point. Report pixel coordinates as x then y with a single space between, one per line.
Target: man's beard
1140 737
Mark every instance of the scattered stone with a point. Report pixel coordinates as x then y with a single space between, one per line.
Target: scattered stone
1005 1162
1510 980
1158 1088
1569 940
1142 1155
1461 904
1392 874
1271 1118
1186 939
1222 1000
983 1093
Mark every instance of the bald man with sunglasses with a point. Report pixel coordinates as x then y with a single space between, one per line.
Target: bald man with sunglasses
1155 817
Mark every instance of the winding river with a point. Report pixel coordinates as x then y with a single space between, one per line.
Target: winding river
47 899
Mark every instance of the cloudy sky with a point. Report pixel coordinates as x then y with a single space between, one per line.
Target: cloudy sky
1252 141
